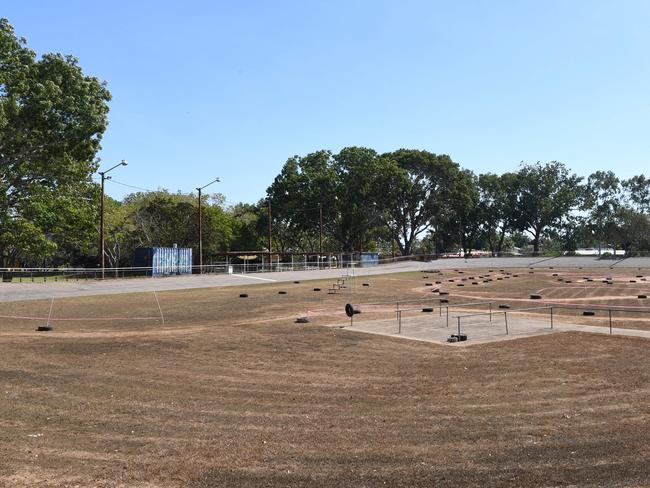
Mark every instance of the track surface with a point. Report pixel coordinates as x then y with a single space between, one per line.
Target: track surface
231 392
29 291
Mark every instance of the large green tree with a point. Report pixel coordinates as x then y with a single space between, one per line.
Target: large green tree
464 216
161 218
638 193
603 202
52 117
304 186
496 203
546 194
347 188
414 189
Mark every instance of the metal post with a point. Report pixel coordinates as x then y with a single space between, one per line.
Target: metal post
458 327
201 225
200 235
101 227
320 235
270 231
505 317
610 320
399 322
101 216
551 317
447 315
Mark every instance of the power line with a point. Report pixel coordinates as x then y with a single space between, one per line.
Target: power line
130 186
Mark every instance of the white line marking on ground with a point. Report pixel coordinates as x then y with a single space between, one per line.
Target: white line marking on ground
253 277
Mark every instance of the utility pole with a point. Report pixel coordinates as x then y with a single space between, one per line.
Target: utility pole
270 233
102 250
320 235
200 234
201 225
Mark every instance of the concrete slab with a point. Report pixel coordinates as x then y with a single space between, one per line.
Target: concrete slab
434 329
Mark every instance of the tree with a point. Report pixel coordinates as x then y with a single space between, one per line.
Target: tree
603 201
357 196
297 194
345 185
545 196
638 192
465 216
634 230
247 227
52 118
414 189
497 197
162 219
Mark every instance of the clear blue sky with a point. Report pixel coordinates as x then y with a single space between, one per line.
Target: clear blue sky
232 89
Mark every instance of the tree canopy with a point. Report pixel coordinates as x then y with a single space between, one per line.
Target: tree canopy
52 117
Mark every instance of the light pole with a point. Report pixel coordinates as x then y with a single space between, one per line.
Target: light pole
201 226
102 253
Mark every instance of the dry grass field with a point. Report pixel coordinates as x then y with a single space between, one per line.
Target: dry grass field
231 392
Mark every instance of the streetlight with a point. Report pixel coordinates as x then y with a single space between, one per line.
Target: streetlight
201 226
101 216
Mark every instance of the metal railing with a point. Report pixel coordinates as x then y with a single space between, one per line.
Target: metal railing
399 311
551 309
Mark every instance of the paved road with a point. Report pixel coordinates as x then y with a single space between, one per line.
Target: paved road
30 291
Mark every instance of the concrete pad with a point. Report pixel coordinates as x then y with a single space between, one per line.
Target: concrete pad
434 329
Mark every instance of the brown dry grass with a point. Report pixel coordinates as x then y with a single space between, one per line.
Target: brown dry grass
230 392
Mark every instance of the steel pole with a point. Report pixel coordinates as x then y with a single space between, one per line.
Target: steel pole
610 320
551 317
320 234
270 231
101 227
200 235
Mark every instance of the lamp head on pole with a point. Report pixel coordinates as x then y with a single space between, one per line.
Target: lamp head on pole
217 180
121 163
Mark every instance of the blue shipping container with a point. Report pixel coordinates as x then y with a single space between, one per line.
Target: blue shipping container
369 259
164 261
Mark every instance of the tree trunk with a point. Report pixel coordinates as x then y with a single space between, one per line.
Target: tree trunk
502 238
536 244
